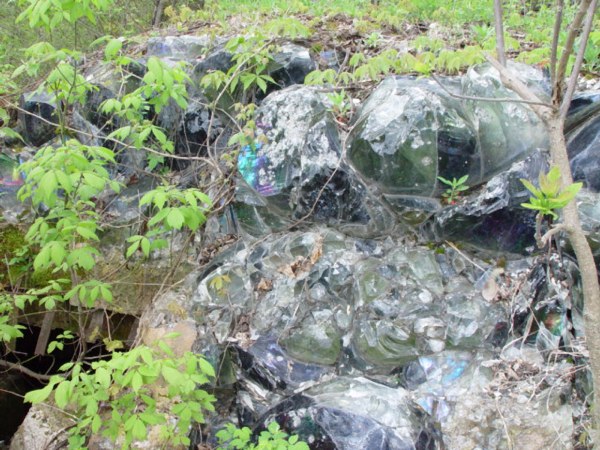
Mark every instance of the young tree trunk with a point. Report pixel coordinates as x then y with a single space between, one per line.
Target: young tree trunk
585 260
159 7
553 116
499 32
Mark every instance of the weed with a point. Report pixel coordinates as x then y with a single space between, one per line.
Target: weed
455 188
549 197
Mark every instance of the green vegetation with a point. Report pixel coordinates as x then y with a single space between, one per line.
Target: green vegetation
455 188
122 397
550 197
270 439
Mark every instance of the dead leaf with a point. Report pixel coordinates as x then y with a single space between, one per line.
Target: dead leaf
490 287
317 251
264 285
293 270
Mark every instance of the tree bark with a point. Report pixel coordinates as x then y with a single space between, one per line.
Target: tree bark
585 261
158 12
500 49
554 121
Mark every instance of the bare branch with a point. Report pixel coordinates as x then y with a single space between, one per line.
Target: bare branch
24 370
560 4
499 32
159 7
587 27
568 49
488 99
44 336
112 139
512 82
555 230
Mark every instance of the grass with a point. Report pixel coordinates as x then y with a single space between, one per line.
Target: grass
419 25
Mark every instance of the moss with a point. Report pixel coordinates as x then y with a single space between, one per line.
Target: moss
12 239
135 284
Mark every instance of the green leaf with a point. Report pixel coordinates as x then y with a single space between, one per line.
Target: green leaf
106 293
61 394
94 180
445 181
57 253
550 182
139 430
87 233
102 377
248 79
54 345
159 217
171 375
206 367
136 382
175 219
155 67
273 427
96 423
165 348
531 188
39 395
569 192
112 48
159 135
132 249
91 407
260 82
145 244
47 185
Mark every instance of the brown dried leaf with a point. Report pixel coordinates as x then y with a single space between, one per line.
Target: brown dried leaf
264 285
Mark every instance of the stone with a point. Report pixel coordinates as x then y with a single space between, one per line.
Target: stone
106 84
332 301
411 131
38 119
492 217
588 204
44 427
200 132
583 106
351 413
296 167
11 209
179 47
478 410
583 144
290 65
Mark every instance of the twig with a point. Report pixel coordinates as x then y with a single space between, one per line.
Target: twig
24 370
504 424
487 99
44 336
541 108
555 35
554 230
455 248
572 84
567 50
